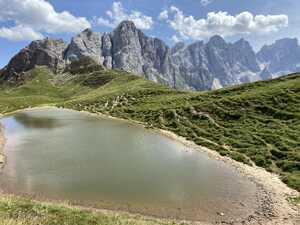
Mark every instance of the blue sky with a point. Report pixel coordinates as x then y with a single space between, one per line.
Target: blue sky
259 21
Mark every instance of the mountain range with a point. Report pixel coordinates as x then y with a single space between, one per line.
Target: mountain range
197 66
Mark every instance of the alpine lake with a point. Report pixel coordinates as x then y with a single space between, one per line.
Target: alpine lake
65 155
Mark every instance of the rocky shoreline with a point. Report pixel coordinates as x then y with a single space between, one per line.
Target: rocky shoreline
272 205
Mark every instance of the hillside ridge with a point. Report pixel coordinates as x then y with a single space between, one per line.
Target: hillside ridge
254 123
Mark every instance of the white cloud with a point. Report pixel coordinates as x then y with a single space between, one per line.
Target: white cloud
176 39
163 15
38 16
117 14
19 33
223 24
205 2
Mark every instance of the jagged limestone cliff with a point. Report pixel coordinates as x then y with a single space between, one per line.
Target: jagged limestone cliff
198 66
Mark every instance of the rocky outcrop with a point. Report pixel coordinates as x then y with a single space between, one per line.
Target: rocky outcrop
48 52
280 58
125 48
216 64
133 51
198 66
87 43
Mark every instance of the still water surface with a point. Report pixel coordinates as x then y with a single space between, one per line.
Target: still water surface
68 155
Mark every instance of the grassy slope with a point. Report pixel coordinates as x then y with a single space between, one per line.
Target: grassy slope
17 211
253 123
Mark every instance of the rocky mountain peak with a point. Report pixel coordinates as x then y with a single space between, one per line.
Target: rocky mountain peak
281 57
243 44
197 66
244 54
48 44
216 40
87 31
48 52
126 48
282 44
287 42
126 26
86 43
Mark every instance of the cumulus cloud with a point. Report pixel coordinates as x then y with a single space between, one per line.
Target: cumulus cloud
19 33
223 24
176 39
32 17
163 15
205 2
117 14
